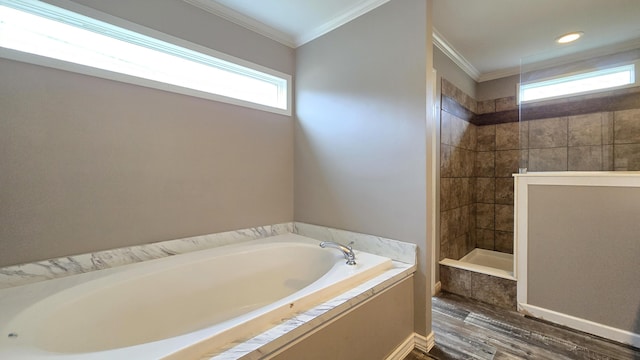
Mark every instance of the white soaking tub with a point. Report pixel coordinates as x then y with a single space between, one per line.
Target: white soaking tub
176 307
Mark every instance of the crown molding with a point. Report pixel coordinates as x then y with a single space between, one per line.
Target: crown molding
254 25
499 74
356 11
243 20
441 43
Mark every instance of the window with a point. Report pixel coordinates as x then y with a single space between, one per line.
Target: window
611 78
64 39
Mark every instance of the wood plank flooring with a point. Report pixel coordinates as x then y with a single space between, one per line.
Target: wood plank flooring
466 329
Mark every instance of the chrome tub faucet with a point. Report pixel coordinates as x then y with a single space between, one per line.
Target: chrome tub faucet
347 250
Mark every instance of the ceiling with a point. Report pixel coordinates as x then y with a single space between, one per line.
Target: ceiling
487 38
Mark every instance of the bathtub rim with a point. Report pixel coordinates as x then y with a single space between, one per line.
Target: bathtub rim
79 280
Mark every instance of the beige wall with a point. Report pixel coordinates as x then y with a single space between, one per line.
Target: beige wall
497 88
91 164
583 249
371 331
360 142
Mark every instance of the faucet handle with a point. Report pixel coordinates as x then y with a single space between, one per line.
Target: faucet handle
350 245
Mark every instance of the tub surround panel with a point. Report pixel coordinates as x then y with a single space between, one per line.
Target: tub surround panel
77 264
377 337
396 250
270 341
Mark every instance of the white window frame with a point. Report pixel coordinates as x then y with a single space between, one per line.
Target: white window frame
633 67
98 22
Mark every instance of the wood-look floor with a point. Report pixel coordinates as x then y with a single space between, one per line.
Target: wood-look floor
466 329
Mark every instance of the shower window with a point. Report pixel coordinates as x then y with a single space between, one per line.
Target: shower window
36 32
611 78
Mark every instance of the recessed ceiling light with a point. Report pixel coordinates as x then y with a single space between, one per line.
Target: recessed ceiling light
570 37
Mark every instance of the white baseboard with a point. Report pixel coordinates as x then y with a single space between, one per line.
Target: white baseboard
607 332
424 344
403 349
437 288
414 341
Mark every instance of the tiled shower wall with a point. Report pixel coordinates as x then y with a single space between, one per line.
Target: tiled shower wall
497 160
603 141
483 144
476 187
457 181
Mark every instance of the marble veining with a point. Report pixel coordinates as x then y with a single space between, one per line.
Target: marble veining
271 340
396 250
290 329
70 265
77 264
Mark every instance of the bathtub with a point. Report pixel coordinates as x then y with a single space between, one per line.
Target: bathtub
177 307
486 262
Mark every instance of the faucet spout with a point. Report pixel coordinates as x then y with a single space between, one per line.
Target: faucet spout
347 250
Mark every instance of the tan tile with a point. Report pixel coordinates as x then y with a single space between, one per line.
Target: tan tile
494 290
456 281
449 221
444 250
504 217
457 132
447 196
548 133
524 159
485 164
446 166
467 163
607 158
448 89
486 138
585 130
626 126
508 136
485 239
504 191
554 159
485 216
485 190
446 125
585 158
455 193
507 163
506 103
607 128
471 104
627 157
486 107
504 241
524 134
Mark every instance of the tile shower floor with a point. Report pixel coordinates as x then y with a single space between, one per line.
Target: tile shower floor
466 329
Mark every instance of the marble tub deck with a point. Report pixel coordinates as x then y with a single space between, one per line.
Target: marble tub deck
270 341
